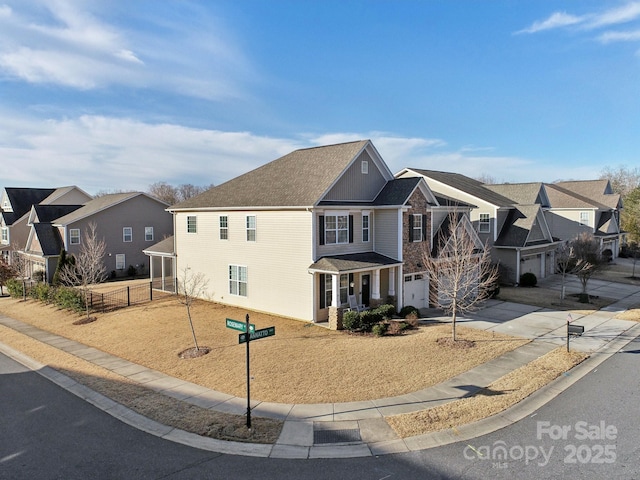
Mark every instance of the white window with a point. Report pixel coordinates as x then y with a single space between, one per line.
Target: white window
148 234
127 234
120 263
5 235
344 289
251 228
192 224
74 236
417 227
364 167
584 218
238 280
484 226
365 227
328 291
336 229
224 227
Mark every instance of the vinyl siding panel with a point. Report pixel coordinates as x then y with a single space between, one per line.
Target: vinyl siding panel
357 246
353 185
386 233
277 262
565 224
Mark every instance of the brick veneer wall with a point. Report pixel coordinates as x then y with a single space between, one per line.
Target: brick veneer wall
413 252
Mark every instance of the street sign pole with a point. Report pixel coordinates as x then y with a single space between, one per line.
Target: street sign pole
248 376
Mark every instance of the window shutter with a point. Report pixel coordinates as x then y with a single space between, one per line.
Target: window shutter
350 284
424 228
350 228
410 228
321 229
322 290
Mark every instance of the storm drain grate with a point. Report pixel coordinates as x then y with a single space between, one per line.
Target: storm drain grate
347 435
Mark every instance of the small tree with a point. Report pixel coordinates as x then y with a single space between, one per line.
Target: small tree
20 266
190 287
63 261
588 260
6 274
88 268
565 265
462 273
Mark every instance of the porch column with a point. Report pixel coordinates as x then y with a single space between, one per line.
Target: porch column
375 288
335 290
162 272
392 282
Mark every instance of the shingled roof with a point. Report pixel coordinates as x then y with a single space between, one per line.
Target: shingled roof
467 185
597 190
517 226
98 204
561 197
22 199
300 178
519 193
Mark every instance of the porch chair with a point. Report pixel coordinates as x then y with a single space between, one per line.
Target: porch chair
354 306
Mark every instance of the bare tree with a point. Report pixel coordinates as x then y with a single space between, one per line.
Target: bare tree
20 266
461 272
88 268
565 264
623 179
165 192
191 286
588 260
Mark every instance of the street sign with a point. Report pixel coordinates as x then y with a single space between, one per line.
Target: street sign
240 326
257 335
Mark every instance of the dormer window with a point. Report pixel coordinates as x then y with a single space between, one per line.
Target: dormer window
364 167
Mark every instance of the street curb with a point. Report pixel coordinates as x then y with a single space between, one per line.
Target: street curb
420 442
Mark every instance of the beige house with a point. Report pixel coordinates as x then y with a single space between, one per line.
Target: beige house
508 219
300 235
15 208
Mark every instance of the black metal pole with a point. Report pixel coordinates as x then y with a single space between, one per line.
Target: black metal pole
248 334
567 335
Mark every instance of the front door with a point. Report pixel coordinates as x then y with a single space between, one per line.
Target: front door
366 289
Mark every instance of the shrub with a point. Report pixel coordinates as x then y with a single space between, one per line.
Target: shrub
42 292
369 318
408 310
396 328
528 279
65 297
379 329
15 287
387 311
131 271
607 255
351 320
39 276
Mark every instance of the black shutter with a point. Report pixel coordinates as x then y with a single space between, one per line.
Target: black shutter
350 228
424 228
351 284
321 229
410 228
322 291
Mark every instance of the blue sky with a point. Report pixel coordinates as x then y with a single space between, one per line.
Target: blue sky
117 95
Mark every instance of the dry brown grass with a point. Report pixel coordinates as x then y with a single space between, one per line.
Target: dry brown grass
550 298
302 363
501 394
150 404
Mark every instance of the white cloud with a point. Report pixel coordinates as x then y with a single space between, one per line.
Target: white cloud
556 20
615 16
63 43
630 36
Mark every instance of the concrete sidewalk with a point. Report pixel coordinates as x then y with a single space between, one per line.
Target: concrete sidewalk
358 428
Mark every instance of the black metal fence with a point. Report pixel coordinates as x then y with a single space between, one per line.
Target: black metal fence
120 298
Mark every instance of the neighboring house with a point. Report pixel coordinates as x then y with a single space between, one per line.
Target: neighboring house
298 236
127 223
586 206
518 235
15 206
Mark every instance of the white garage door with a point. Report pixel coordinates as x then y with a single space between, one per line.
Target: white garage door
416 288
532 264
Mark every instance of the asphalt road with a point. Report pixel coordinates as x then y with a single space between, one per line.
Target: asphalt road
591 431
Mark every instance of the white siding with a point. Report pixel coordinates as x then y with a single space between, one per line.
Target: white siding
277 262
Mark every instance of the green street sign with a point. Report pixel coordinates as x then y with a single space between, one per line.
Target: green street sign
240 326
257 335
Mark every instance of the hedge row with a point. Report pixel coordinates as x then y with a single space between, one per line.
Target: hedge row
61 296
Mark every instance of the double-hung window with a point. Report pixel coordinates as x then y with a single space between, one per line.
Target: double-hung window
238 280
417 227
120 261
484 224
365 227
336 229
224 227
192 224
127 234
584 218
148 234
251 228
74 236
5 235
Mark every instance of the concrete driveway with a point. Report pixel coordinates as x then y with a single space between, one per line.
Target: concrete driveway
550 325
